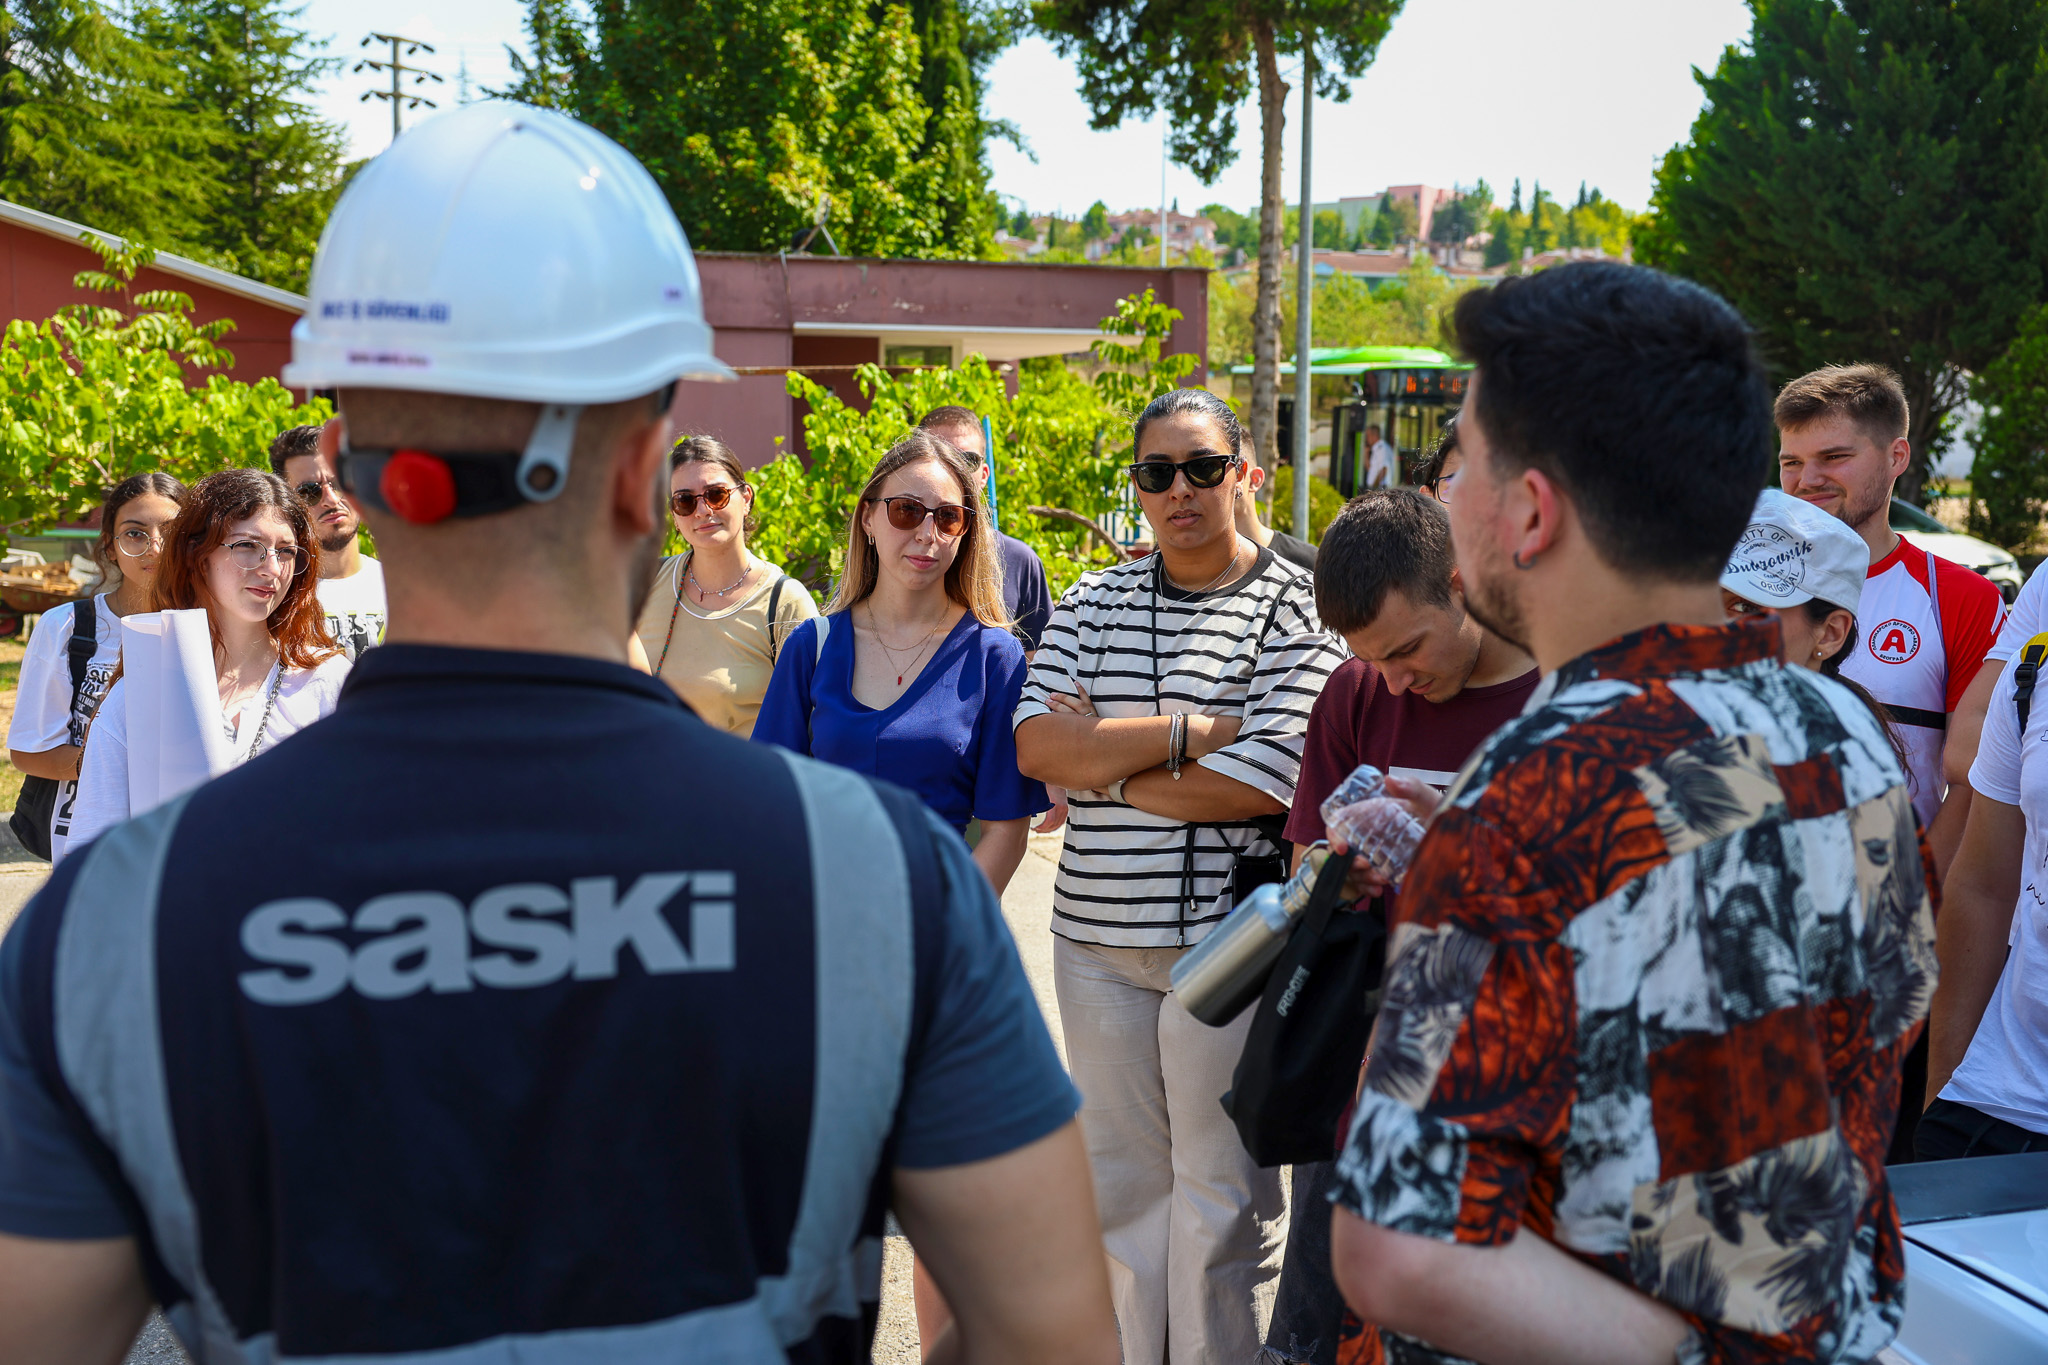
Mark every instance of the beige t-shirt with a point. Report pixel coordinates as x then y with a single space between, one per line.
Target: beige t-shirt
718 662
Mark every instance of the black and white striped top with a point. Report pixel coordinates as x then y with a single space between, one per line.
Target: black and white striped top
1142 647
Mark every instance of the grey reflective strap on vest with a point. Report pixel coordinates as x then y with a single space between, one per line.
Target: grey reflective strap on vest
731 1334
111 1051
860 896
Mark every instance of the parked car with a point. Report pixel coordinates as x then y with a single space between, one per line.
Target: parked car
1976 1260
1968 551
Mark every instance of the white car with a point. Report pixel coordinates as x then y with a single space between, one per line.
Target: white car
1987 559
1976 1261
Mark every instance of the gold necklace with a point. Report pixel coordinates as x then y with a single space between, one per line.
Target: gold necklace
923 645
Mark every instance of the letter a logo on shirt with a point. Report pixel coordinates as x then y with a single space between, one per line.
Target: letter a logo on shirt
1894 641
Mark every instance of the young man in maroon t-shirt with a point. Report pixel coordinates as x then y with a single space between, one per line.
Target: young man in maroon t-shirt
1429 683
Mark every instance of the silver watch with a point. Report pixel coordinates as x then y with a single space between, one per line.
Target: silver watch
1116 790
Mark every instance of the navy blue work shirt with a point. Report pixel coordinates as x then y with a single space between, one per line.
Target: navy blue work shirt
1024 589
512 1013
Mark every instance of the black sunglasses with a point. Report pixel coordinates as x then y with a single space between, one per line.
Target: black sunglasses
313 492
1204 471
683 502
907 514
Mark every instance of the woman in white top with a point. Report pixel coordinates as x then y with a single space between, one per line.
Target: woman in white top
47 736
242 549
718 615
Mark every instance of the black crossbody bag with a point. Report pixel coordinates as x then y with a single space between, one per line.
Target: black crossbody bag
37 804
1299 1068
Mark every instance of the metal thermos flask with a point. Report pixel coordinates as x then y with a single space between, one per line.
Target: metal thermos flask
1228 969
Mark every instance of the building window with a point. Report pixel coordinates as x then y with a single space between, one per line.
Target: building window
939 356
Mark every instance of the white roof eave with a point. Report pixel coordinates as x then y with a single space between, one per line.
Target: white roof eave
227 282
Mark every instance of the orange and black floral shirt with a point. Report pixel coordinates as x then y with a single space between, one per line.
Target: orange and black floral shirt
1649 984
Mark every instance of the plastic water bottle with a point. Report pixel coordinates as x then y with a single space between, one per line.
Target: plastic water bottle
1372 824
1228 969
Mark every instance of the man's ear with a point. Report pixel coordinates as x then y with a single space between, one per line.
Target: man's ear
1537 509
1254 477
636 501
1901 455
1458 585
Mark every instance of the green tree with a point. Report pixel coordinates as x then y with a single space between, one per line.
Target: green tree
1869 182
1330 233
102 391
1234 231
2009 479
274 168
91 128
1020 225
1095 222
753 115
1196 63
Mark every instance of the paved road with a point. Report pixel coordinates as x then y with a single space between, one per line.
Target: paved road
1028 907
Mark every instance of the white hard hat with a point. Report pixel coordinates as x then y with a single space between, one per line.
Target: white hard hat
1792 552
499 251
503 251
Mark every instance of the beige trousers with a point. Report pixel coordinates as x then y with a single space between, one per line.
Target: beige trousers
1193 1229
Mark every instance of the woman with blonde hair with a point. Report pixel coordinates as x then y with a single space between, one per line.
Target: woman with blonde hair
913 671
719 614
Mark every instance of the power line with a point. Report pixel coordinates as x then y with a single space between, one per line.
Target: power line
400 99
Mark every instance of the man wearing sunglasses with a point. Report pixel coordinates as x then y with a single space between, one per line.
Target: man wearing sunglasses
1023 571
351 582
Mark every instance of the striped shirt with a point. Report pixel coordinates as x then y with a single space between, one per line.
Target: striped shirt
1141 647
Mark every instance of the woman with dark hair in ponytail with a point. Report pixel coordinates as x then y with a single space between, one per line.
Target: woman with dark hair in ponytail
241 549
54 707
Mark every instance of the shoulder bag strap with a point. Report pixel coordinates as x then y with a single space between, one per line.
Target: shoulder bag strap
2032 654
775 605
82 645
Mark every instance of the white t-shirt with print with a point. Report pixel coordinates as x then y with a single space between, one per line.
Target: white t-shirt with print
2023 619
44 717
304 695
355 607
2005 1072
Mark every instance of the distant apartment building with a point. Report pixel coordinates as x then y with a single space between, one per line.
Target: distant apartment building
1359 211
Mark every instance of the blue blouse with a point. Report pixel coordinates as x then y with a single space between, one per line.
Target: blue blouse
947 738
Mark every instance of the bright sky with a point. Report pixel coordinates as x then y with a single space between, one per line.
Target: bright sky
1563 91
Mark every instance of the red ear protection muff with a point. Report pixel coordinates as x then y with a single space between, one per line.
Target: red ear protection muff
417 486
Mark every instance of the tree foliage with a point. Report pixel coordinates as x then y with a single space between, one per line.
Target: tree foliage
105 390
1345 311
273 168
755 115
2009 481
1196 62
1869 182
1061 442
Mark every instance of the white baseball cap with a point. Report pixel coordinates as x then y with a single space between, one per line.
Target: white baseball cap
1792 552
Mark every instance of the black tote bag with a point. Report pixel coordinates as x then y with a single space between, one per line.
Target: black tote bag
1299 1068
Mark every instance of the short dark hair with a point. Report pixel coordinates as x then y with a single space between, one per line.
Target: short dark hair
1871 396
292 444
1640 394
1198 401
1432 466
1386 539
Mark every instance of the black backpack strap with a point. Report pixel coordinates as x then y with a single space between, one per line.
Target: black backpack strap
83 644
774 605
2032 654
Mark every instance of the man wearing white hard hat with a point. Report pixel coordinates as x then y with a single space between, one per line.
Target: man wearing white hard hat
531 1055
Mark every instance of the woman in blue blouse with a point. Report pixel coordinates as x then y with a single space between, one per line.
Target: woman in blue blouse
918 671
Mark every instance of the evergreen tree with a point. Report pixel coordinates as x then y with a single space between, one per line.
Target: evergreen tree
1515 203
1095 222
1869 182
87 129
273 167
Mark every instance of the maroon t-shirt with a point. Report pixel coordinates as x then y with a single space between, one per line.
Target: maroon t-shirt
1357 720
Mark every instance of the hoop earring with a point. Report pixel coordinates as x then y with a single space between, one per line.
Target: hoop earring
1516 560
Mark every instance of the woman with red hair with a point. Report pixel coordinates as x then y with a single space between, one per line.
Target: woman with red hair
242 550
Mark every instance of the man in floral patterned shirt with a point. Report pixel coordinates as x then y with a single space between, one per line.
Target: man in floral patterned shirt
1657 962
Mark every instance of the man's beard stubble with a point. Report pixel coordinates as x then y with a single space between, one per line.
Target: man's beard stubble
1495 608
337 542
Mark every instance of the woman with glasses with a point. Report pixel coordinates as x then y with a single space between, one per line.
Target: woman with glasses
913 671
1171 697
46 738
718 615
241 549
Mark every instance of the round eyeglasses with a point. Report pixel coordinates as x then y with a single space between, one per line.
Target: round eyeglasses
249 556
683 502
136 542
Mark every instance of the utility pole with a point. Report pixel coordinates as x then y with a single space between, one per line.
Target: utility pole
1304 284
1165 131
399 70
